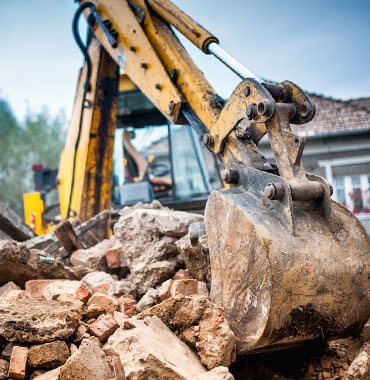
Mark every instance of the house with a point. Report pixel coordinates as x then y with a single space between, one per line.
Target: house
338 149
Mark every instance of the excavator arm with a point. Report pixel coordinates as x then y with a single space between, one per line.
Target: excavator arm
138 35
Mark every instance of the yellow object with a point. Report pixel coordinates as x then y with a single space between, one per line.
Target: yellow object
33 211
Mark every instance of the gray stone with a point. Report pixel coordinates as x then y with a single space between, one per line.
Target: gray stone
150 298
120 288
93 257
195 253
148 235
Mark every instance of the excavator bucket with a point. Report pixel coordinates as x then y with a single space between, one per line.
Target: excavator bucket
288 264
281 286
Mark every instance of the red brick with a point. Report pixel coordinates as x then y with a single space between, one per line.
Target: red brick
113 257
184 287
103 327
18 362
108 303
83 293
127 305
164 290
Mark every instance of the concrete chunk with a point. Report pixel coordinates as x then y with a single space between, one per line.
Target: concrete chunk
38 321
89 362
150 350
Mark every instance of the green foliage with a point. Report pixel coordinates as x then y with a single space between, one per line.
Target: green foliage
38 139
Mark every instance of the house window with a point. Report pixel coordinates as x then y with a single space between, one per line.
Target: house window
353 192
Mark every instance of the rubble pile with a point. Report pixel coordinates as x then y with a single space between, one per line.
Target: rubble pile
80 304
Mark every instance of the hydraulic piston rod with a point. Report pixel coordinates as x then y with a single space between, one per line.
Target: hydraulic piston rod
216 50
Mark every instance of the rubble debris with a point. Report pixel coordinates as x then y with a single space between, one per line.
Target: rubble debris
194 250
150 298
89 233
4 366
127 305
121 288
115 257
49 375
159 269
360 367
89 362
149 350
12 225
66 234
103 327
148 237
48 355
19 264
217 373
38 321
199 323
8 287
98 281
93 257
107 303
18 362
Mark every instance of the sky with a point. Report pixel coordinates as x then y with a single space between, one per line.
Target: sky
322 45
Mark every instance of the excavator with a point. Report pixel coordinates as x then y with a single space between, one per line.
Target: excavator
288 264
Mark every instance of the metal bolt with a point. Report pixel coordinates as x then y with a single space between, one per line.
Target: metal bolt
171 107
274 191
157 86
144 65
250 111
230 176
247 91
270 191
265 108
305 109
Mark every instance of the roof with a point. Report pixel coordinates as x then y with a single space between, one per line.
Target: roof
335 115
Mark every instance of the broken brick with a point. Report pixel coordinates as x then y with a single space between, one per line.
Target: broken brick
164 291
18 362
127 305
113 256
186 287
83 293
103 327
106 302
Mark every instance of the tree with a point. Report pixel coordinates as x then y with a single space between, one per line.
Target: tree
38 139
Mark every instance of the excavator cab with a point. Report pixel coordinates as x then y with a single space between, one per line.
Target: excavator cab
154 159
